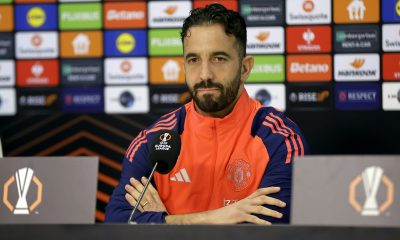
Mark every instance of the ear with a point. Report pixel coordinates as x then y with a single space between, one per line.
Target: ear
247 65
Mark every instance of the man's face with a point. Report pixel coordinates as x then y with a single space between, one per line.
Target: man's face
212 67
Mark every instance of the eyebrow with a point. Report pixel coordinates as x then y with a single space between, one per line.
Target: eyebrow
219 53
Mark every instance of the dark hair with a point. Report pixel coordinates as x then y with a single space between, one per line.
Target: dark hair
217 14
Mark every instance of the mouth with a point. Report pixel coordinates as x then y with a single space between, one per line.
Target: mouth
207 90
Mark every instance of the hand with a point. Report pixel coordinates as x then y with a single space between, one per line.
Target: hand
151 200
238 212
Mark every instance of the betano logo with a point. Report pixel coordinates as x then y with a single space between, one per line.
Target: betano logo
125 15
371 177
36 17
6 18
171 10
307 68
23 179
125 43
358 63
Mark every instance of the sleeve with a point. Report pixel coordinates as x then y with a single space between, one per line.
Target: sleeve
283 141
135 164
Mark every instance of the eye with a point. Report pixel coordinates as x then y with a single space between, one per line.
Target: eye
192 60
218 59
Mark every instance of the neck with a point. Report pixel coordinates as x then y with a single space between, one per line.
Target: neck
224 112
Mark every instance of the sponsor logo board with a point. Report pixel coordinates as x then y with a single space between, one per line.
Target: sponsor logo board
36 17
268 69
126 43
125 71
391 96
168 13
33 73
125 15
390 10
391 66
268 94
311 39
229 4
166 98
80 16
38 100
309 68
8 105
36 45
6 18
82 100
257 13
357 38
359 96
261 40
356 11
81 72
6 45
165 42
391 37
299 12
357 67
7 73
165 70
128 99
81 44
309 97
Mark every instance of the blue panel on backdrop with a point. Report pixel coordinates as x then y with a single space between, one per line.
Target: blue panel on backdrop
391 10
125 43
36 17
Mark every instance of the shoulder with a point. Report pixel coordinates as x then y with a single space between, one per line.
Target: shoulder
171 121
278 132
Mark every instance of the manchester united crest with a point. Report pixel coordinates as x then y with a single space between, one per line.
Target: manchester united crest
238 174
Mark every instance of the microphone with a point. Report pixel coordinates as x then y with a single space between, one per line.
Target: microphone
164 152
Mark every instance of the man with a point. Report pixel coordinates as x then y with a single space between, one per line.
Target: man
236 156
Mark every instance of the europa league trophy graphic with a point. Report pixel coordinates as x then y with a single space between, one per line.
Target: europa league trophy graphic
371 178
24 179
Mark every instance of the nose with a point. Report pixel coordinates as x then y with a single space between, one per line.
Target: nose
206 71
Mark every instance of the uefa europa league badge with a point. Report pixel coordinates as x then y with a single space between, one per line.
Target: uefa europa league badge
371 177
23 178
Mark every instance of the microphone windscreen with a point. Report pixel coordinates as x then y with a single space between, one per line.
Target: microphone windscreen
165 150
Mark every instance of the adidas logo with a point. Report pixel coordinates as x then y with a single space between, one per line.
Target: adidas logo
181 176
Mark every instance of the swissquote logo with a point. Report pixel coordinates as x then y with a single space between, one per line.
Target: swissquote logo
308 11
23 178
372 179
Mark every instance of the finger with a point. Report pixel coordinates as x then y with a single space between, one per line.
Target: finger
133 202
153 192
136 184
265 211
262 200
264 191
256 220
132 191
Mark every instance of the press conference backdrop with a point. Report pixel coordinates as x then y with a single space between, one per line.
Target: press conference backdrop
84 77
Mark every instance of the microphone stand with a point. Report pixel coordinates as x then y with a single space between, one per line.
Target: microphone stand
142 194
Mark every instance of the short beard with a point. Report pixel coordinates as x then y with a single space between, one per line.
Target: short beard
226 97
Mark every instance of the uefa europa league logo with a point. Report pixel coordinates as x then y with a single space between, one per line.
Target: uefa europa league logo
371 177
24 178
